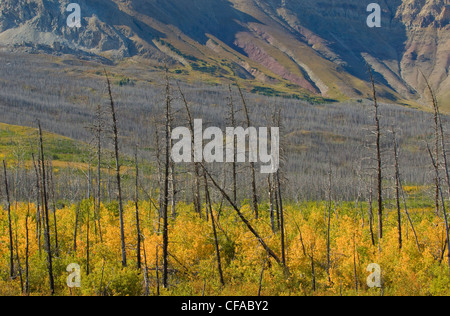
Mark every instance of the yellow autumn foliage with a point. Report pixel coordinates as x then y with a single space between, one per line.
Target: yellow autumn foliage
415 269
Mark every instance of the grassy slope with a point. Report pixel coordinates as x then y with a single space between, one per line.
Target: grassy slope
18 139
18 142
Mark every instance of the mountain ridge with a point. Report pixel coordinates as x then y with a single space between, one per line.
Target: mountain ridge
314 49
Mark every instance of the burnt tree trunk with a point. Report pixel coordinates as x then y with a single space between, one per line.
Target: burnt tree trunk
8 208
397 191
378 159
119 187
165 203
252 164
45 209
136 203
196 189
233 164
216 241
444 155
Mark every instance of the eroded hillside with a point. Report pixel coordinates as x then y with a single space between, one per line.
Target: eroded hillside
302 47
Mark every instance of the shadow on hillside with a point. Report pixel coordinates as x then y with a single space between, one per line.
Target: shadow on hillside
344 26
196 18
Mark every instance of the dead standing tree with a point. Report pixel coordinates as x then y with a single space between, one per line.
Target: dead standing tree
8 208
98 129
27 251
196 190
330 202
252 164
45 213
271 203
435 163
399 187
378 159
119 187
19 266
397 190
38 205
276 187
370 201
213 223
52 190
232 120
165 200
436 148
136 203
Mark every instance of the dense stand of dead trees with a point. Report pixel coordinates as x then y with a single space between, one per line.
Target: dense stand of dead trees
203 177
440 138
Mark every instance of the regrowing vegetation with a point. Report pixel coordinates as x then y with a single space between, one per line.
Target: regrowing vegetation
358 184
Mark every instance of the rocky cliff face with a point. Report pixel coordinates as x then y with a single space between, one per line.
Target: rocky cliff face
427 48
318 47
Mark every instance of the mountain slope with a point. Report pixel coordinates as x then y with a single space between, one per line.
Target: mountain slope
302 47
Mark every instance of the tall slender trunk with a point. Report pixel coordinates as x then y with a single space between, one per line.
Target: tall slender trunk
157 270
88 220
272 215
46 223
233 164
252 164
19 266
99 166
119 187
397 191
283 247
8 208
329 225
173 192
196 189
146 276
262 275
444 155
379 162
55 223
277 206
436 169
355 271
166 187
27 250
75 231
136 203
38 205
313 271
216 241
446 225
159 163
372 235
